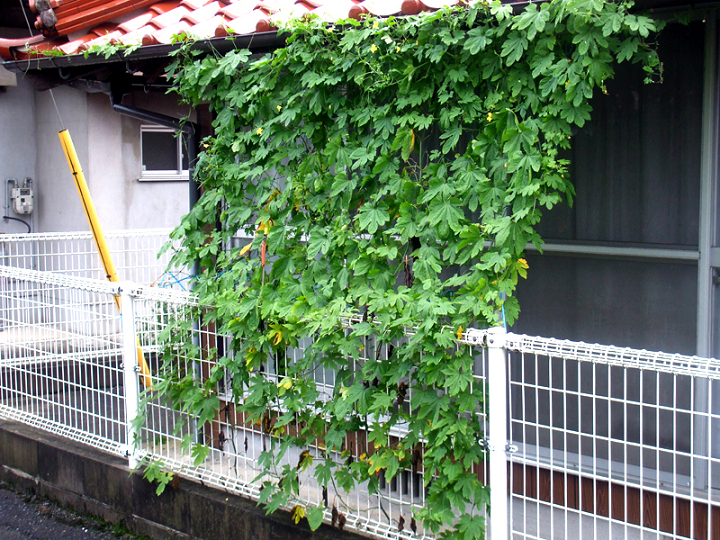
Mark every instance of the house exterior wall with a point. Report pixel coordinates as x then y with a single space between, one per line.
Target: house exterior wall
17 139
108 146
58 206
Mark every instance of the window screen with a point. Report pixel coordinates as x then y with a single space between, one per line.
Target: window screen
636 169
636 165
644 305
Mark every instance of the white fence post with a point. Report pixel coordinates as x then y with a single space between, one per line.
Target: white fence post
130 368
497 440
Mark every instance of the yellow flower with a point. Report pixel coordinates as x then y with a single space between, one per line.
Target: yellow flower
329 107
259 131
397 49
489 117
373 48
279 108
375 24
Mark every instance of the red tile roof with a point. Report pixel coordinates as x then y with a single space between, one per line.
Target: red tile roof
72 26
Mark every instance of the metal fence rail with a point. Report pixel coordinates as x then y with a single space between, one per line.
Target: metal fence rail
134 252
584 441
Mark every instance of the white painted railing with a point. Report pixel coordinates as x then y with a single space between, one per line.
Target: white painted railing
610 442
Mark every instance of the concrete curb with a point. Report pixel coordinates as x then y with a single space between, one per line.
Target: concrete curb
92 482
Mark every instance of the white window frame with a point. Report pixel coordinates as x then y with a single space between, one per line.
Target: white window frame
171 175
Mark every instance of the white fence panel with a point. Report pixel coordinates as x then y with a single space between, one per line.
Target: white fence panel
61 356
584 441
134 253
236 443
612 442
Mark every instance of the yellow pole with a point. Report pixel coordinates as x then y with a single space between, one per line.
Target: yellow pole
98 236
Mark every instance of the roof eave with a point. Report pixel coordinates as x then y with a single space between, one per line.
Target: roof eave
255 42
263 41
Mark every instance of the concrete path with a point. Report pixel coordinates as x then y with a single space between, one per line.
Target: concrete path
24 517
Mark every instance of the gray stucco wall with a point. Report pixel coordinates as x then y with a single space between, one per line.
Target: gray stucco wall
108 146
17 140
58 206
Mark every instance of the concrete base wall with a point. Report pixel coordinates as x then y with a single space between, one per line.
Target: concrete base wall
92 482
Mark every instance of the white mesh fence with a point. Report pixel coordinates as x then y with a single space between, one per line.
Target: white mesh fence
134 253
602 442
612 442
61 355
236 443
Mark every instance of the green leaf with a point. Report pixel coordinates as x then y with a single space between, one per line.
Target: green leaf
514 47
405 140
314 516
445 212
199 453
319 243
477 40
451 138
532 20
371 217
628 48
471 527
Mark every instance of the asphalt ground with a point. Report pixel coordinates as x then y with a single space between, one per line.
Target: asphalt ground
29 517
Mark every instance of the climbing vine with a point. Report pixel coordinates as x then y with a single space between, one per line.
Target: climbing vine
389 174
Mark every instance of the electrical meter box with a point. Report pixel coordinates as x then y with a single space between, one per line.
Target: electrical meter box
22 200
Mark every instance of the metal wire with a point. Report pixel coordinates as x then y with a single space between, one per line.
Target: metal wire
676 364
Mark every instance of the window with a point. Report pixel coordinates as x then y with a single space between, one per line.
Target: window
163 154
621 266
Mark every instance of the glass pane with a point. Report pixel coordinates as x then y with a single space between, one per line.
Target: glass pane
159 151
645 305
185 141
636 165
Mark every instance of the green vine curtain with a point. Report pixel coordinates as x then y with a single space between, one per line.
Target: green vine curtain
390 173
